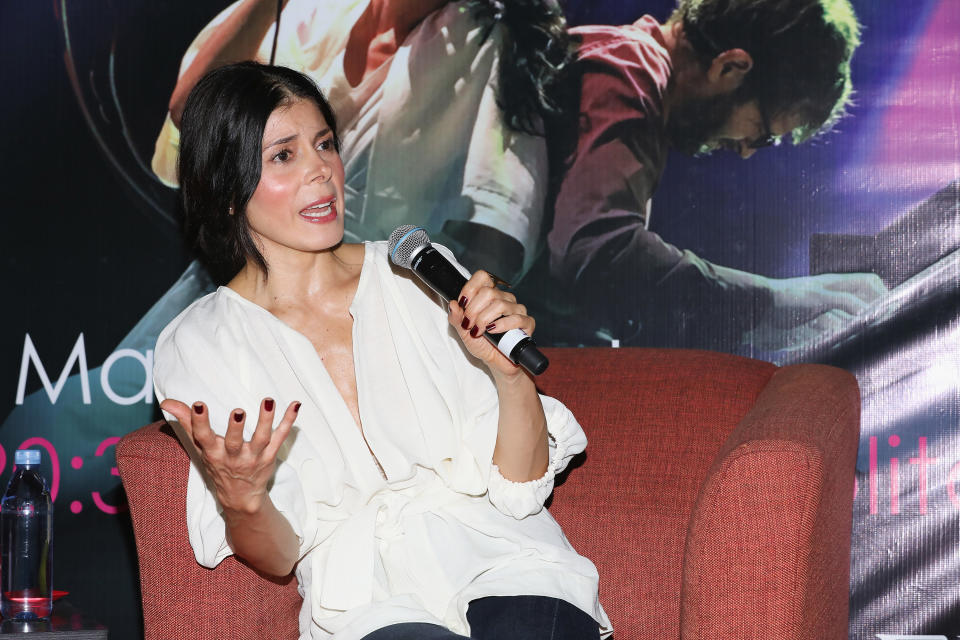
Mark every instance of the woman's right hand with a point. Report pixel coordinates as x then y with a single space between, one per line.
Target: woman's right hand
239 469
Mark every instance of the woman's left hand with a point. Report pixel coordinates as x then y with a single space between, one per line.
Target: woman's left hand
484 308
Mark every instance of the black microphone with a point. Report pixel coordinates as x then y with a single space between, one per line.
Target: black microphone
410 248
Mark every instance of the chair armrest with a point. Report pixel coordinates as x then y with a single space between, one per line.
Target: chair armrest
768 549
181 599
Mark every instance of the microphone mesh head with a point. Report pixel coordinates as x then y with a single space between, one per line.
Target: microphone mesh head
404 242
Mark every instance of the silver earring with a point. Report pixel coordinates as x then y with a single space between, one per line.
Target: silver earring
230 211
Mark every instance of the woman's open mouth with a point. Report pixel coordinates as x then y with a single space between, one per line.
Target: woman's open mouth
321 211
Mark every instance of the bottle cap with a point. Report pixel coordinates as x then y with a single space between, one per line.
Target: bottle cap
26 456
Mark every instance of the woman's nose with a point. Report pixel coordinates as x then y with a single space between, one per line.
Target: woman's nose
322 171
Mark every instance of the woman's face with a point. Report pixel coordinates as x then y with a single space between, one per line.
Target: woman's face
298 203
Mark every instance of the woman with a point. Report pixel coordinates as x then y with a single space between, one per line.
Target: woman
405 478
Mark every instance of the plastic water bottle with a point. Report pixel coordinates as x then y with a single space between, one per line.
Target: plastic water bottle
26 536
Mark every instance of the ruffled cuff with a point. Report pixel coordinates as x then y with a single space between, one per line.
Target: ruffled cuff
522 499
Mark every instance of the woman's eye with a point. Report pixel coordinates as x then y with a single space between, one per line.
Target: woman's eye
325 145
282 156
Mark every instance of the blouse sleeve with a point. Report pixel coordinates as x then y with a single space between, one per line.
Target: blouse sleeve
188 366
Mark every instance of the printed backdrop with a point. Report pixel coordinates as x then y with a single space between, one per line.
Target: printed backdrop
94 268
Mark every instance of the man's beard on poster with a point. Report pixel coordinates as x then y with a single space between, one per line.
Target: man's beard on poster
695 122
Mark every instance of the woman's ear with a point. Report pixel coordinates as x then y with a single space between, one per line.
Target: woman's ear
728 70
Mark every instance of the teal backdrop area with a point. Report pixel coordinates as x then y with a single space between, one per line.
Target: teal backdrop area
95 267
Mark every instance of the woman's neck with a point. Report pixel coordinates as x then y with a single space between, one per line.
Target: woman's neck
327 278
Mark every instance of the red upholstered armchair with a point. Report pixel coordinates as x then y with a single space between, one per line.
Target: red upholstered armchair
715 499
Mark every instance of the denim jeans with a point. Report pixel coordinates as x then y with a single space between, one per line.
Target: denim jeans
505 618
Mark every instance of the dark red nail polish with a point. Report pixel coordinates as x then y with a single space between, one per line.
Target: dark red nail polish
296 407
198 409
475 331
490 327
268 404
463 302
238 416
465 324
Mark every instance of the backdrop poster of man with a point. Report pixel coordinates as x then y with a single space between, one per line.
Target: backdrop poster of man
599 169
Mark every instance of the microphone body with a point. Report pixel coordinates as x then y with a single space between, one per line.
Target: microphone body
410 248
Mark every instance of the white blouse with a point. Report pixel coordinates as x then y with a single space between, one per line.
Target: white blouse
444 527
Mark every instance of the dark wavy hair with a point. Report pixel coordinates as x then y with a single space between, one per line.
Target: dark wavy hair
535 56
801 52
221 141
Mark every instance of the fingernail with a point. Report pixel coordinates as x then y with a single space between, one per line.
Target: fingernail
463 302
296 407
238 416
465 324
490 327
268 404
475 331
198 409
